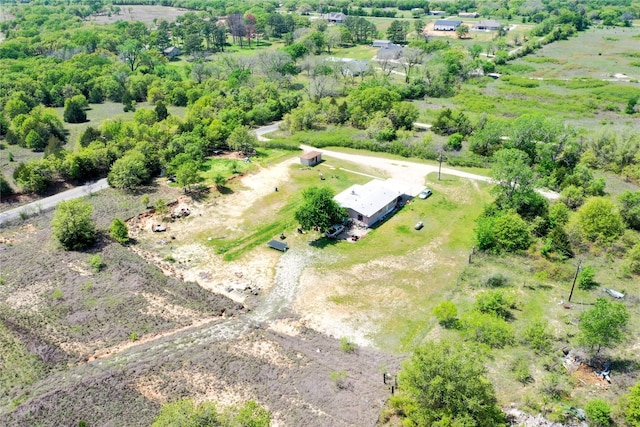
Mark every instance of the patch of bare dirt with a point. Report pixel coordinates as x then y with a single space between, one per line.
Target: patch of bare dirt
350 303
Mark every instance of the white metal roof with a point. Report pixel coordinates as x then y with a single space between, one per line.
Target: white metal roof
369 198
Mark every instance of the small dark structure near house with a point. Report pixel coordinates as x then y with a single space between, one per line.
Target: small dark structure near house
446 25
171 52
281 246
311 158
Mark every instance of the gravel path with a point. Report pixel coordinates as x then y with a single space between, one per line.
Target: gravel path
51 202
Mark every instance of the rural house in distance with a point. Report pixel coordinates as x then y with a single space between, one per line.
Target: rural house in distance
371 202
446 25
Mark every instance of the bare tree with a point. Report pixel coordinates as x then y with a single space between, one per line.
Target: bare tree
273 65
236 27
411 56
387 65
322 86
332 38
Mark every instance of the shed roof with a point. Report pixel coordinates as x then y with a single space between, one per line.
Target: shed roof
369 198
448 22
310 155
281 246
492 23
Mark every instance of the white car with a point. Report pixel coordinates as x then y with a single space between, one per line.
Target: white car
424 194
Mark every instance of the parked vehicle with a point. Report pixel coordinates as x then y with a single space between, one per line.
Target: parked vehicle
424 194
419 225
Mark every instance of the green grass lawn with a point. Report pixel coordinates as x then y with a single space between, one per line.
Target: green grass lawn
97 113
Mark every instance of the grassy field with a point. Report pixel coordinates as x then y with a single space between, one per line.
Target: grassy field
597 53
97 113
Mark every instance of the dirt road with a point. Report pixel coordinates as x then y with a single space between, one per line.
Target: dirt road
52 201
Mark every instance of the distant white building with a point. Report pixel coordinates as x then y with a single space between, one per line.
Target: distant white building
488 25
446 25
371 202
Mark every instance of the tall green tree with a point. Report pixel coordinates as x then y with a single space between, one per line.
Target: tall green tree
72 224
513 176
74 109
128 172
445 384
318 209
603 325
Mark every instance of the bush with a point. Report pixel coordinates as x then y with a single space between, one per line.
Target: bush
454 143
96 262
119 230
339 379
585 278
497 281
72 224
496 303
537 337
346 345
598 220
447 314
520 369
487 329
598 413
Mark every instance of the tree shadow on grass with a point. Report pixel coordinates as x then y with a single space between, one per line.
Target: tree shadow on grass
323 242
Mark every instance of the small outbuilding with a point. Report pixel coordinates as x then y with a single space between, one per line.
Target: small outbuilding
488 25
311 158
171 52
278 245
468 14
446 25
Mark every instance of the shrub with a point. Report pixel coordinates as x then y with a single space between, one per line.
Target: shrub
447 314
57 294
346 345
119 230
496 303
72 224
599 220
454 143
520 369
487 329
96 262
585 278
497 281
632 262
537 337
598 413
339 379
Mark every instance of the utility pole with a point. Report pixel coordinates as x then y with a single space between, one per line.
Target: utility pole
575 277
440 164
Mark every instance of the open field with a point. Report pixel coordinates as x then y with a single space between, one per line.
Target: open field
599 53
146 14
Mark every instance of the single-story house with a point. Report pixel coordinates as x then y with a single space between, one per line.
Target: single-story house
335 17
382 43
171 52
371 202
311 158
488 25
446 25
350 67
468 14
392 51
